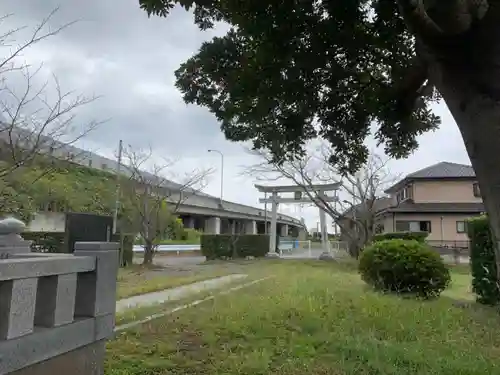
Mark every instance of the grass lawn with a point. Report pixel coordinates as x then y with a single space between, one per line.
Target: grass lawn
315 318
138 279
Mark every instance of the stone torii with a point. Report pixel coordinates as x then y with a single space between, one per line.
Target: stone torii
300 196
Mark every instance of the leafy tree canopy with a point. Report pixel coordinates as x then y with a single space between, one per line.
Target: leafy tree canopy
290 71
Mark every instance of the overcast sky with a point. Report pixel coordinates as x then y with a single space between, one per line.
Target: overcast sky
116 52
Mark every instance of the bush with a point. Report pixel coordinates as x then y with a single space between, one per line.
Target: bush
482 260
417 236
46 242
255 245
405 267
191 235
126 242
222 246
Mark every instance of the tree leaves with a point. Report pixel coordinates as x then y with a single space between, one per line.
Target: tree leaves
290 71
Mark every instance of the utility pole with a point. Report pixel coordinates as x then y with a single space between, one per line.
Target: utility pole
221 173
117 197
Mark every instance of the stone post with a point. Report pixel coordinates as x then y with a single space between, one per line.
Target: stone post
11 241
96 291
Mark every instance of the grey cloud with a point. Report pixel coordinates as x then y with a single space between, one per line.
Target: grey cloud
116 52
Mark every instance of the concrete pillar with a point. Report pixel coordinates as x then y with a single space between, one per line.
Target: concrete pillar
324 232
234 228
189 222
302 235
212 225
284 230
250 227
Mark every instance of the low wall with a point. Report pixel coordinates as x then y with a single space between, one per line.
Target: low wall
56 310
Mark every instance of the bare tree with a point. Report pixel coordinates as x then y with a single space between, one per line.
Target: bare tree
154 199
36 114
360 196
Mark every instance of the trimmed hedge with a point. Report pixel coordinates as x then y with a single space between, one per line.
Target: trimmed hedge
482 260
225 246
46 242
417 236
404 267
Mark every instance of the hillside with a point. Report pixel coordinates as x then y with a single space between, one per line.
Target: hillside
66 187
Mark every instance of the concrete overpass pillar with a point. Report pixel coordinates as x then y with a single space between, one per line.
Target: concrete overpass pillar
189 222
294 232
250 227
284 230
302 235
212 225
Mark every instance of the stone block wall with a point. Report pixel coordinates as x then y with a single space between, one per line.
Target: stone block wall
56 310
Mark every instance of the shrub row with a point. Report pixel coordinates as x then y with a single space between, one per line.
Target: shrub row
46 242
482 259
55 242
405 267
224 246
417 236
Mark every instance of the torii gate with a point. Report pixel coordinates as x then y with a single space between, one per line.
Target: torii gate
314 190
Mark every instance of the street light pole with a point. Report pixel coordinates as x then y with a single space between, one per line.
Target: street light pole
221 172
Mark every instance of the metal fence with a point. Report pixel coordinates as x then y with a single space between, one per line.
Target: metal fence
450 247
457 252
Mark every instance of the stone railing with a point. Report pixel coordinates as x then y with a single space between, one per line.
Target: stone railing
56 310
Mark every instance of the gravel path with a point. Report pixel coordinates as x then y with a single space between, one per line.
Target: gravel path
175 294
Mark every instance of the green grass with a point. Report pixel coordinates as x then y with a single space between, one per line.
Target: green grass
136 280
315 318
140 313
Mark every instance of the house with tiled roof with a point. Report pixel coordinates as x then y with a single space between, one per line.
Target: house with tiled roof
437 199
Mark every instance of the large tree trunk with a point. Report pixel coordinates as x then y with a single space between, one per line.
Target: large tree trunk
467 74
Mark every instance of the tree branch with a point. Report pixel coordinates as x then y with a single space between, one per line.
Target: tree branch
154 198
356 209
429 19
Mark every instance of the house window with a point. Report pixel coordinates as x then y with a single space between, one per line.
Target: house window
460 226
379 228
104 166
475 189
405 193
90 162
413 226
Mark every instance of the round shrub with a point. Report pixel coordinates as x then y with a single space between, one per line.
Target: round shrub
403 266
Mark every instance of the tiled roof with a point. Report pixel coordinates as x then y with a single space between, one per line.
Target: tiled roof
444 169
437 207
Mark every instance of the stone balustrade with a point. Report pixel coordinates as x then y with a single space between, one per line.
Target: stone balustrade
56 310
